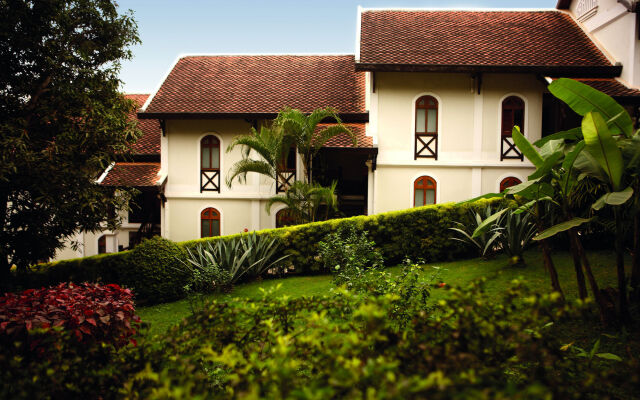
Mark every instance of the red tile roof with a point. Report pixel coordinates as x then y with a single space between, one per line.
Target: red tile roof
149 142
612 87
499 39
344 141
260 84
132 174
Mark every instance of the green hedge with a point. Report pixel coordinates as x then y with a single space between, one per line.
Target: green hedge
420 233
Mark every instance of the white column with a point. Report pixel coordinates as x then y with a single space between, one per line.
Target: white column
477 124
255 215
476 182
370 189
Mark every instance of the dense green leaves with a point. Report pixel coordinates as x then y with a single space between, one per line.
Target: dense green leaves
603 147
63 120
584 99
526 148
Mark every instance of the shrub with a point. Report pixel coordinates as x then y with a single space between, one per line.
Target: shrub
516 234
63 341
154 272
92 313
484 243
353 346
347 254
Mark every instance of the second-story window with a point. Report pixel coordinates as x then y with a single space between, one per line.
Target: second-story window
512 115
424 191
210 164
286 171
426 130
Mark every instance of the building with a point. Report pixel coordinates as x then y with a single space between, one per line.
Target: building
431 94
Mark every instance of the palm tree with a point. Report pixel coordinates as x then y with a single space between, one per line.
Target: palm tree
303 200
271 144
304 130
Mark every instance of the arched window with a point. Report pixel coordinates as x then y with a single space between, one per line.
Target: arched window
424 191
508 182
512 115
102 244
426 131
284 217
210 164
209 222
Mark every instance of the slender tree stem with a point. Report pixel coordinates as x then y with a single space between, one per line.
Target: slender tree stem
625 317
577 264
546 256
575 240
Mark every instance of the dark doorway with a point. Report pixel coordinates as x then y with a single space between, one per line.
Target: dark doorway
348 167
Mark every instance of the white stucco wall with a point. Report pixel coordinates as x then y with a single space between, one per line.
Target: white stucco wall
469 125
615 30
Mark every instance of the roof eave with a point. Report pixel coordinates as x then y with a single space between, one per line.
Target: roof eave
593 71
345 117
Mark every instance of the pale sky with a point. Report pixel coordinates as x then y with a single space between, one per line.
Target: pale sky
169 28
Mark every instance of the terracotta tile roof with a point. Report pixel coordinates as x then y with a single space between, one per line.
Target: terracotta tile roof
344 141
149 142
260 84
612 87
132 174
476 38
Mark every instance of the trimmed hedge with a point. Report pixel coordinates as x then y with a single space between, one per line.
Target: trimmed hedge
420 233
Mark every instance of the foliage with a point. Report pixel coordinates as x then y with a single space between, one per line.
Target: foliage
271 144
347 253
351 345
91 312
63 121
305 200
516 233
154 272
485 242
307 133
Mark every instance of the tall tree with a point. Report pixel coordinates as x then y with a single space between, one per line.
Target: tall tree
63 121
308 134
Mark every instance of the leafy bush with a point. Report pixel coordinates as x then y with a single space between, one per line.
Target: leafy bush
63 341
92 313
348 253
353 346
154 272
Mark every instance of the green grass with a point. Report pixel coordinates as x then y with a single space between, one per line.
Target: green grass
456 273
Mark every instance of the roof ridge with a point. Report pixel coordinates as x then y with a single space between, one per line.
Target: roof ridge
467 9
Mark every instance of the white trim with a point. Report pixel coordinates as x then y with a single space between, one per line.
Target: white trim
592 38
274 211
412 184
508 175
105 173
460 164
229 196
526 132
199 152
164 78
461 8
413 123
199 221
358 28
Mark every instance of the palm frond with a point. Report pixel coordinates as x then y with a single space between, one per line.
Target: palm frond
242 167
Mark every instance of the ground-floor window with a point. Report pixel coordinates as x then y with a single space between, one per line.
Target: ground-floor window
424 191
102 244
209 222
508 182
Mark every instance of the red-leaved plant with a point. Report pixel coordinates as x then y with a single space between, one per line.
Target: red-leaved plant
91 313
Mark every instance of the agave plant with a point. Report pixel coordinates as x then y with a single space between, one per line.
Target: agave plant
485 242
261 251
516 232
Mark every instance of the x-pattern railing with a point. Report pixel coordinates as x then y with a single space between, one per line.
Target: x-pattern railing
210 180
508 150
426 145
289 176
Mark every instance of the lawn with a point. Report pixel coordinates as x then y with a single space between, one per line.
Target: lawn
497 271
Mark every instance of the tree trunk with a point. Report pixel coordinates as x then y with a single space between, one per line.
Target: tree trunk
635 264
577 264
546 256
4 257
625 317
602 309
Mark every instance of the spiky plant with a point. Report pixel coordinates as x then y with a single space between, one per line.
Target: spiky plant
485 242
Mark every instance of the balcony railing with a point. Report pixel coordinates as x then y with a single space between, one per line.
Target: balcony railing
426 145
508 149
289 176
210 180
